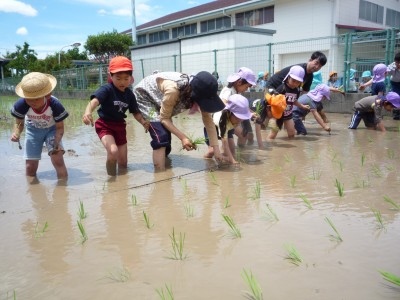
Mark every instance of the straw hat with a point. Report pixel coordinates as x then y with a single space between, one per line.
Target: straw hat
35 85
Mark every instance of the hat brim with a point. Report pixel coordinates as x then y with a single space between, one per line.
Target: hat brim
233 78
126 69
246 116
53 82
211 104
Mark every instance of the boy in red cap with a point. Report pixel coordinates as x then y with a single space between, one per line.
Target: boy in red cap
114 99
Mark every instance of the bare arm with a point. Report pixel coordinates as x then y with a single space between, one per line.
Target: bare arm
320 121
18 128
380 126
87 116
59 134
227 151
145 123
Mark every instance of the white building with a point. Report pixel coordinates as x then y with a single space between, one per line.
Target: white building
226 34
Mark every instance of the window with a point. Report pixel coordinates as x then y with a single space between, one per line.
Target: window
158 36
141 39
392 18
184 30
215 24
255 17
371 12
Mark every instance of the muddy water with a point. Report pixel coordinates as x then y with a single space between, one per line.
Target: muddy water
124 259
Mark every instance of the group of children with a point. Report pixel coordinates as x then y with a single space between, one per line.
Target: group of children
158 97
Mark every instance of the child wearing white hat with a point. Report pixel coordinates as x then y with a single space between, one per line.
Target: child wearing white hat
43 117
313 98
235 112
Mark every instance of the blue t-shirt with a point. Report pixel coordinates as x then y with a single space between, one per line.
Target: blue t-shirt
377 87
114 103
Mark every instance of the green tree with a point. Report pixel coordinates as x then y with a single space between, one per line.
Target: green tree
106 45
23 60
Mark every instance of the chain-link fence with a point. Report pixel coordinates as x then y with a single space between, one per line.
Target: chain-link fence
359 51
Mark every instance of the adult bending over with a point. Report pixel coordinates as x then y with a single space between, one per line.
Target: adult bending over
164 95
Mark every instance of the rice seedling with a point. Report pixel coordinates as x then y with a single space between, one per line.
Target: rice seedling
337 236
390 153
227 204
395 205
293 255
293 181
340 187
288 158
189 210
334 157
362 159
376 171
306 201
340 163
390 277
119 275
82 214
256 191
361 183
82 230
177 244
134 200
184 185
316 175
235 231
255 292
378 218
166 294
147 220
39 232
197 141
271 213
14 295
213 178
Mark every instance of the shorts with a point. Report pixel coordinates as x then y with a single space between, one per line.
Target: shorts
116 129
34 140
160 137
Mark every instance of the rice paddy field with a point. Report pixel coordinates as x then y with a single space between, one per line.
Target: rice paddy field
316 217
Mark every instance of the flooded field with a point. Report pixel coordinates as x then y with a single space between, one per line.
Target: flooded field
316 217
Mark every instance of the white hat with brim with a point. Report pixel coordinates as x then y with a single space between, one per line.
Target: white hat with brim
296 72
35 85
393 98
319 92
239 106
243 73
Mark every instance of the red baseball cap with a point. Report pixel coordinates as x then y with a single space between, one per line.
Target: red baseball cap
120 64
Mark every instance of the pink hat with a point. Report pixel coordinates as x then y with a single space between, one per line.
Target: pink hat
379 72
319 92
296 72
239 106
243 73
393 98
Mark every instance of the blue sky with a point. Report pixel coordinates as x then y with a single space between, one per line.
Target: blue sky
49 25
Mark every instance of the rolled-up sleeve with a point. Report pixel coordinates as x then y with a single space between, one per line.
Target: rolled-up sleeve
170 98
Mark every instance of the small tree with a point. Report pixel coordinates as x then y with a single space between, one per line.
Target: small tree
107 45
22 60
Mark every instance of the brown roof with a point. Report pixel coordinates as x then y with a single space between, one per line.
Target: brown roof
207 7
359 28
